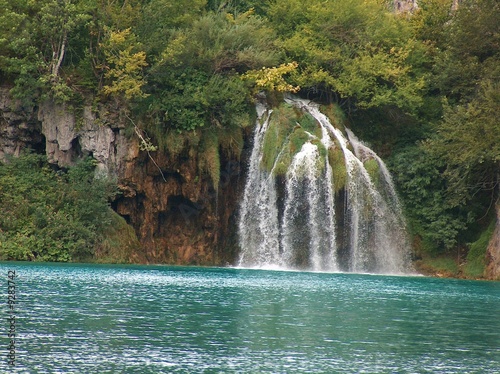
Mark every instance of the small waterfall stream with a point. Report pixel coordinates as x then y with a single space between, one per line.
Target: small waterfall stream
258 225
305 218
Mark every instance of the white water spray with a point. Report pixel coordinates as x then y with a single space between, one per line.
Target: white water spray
258 224
301 227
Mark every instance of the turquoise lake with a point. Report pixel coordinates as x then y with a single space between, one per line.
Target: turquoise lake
157 319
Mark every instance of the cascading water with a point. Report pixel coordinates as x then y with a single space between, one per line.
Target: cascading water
389 225
308 224
300 214
258 224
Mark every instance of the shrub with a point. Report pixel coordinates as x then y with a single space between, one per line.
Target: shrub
51 216
476 258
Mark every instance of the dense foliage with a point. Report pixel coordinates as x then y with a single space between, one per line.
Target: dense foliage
459 154
424 88
52 216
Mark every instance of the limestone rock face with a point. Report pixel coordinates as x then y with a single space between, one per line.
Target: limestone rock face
98 140
19 127
177 215
70 136
58 126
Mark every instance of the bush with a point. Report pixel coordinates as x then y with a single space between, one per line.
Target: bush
424 191
476 258
51 216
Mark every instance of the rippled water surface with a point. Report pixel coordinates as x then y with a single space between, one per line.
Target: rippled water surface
145 319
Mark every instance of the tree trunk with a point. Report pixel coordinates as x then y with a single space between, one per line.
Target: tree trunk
56 65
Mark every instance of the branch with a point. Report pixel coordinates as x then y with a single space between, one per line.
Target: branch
146 145
57 66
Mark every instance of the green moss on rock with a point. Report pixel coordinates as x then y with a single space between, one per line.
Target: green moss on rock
309 124
339 170
209 157
335 114
119 243
281 124
373 169
289 129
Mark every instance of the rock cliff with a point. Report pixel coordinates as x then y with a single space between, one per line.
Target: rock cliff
177 215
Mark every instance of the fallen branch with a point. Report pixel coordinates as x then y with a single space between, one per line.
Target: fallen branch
146 145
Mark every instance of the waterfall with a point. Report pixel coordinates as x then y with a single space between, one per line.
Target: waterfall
258 225
326 202
390 227
308 224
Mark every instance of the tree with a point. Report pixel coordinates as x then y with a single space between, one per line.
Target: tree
160 18
470 50
195 82
356 50
468 136
432 215
123 65
38 45
49 216
463 45
469 141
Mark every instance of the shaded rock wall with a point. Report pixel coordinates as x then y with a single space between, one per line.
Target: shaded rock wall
178 216
19 126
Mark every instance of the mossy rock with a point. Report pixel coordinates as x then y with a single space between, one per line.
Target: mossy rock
373 169
442 266
231 141
281 125
118 244
274 140
282 157
339 170
209 157
309 124
289 129
283 163
297 139
323 154
336 115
